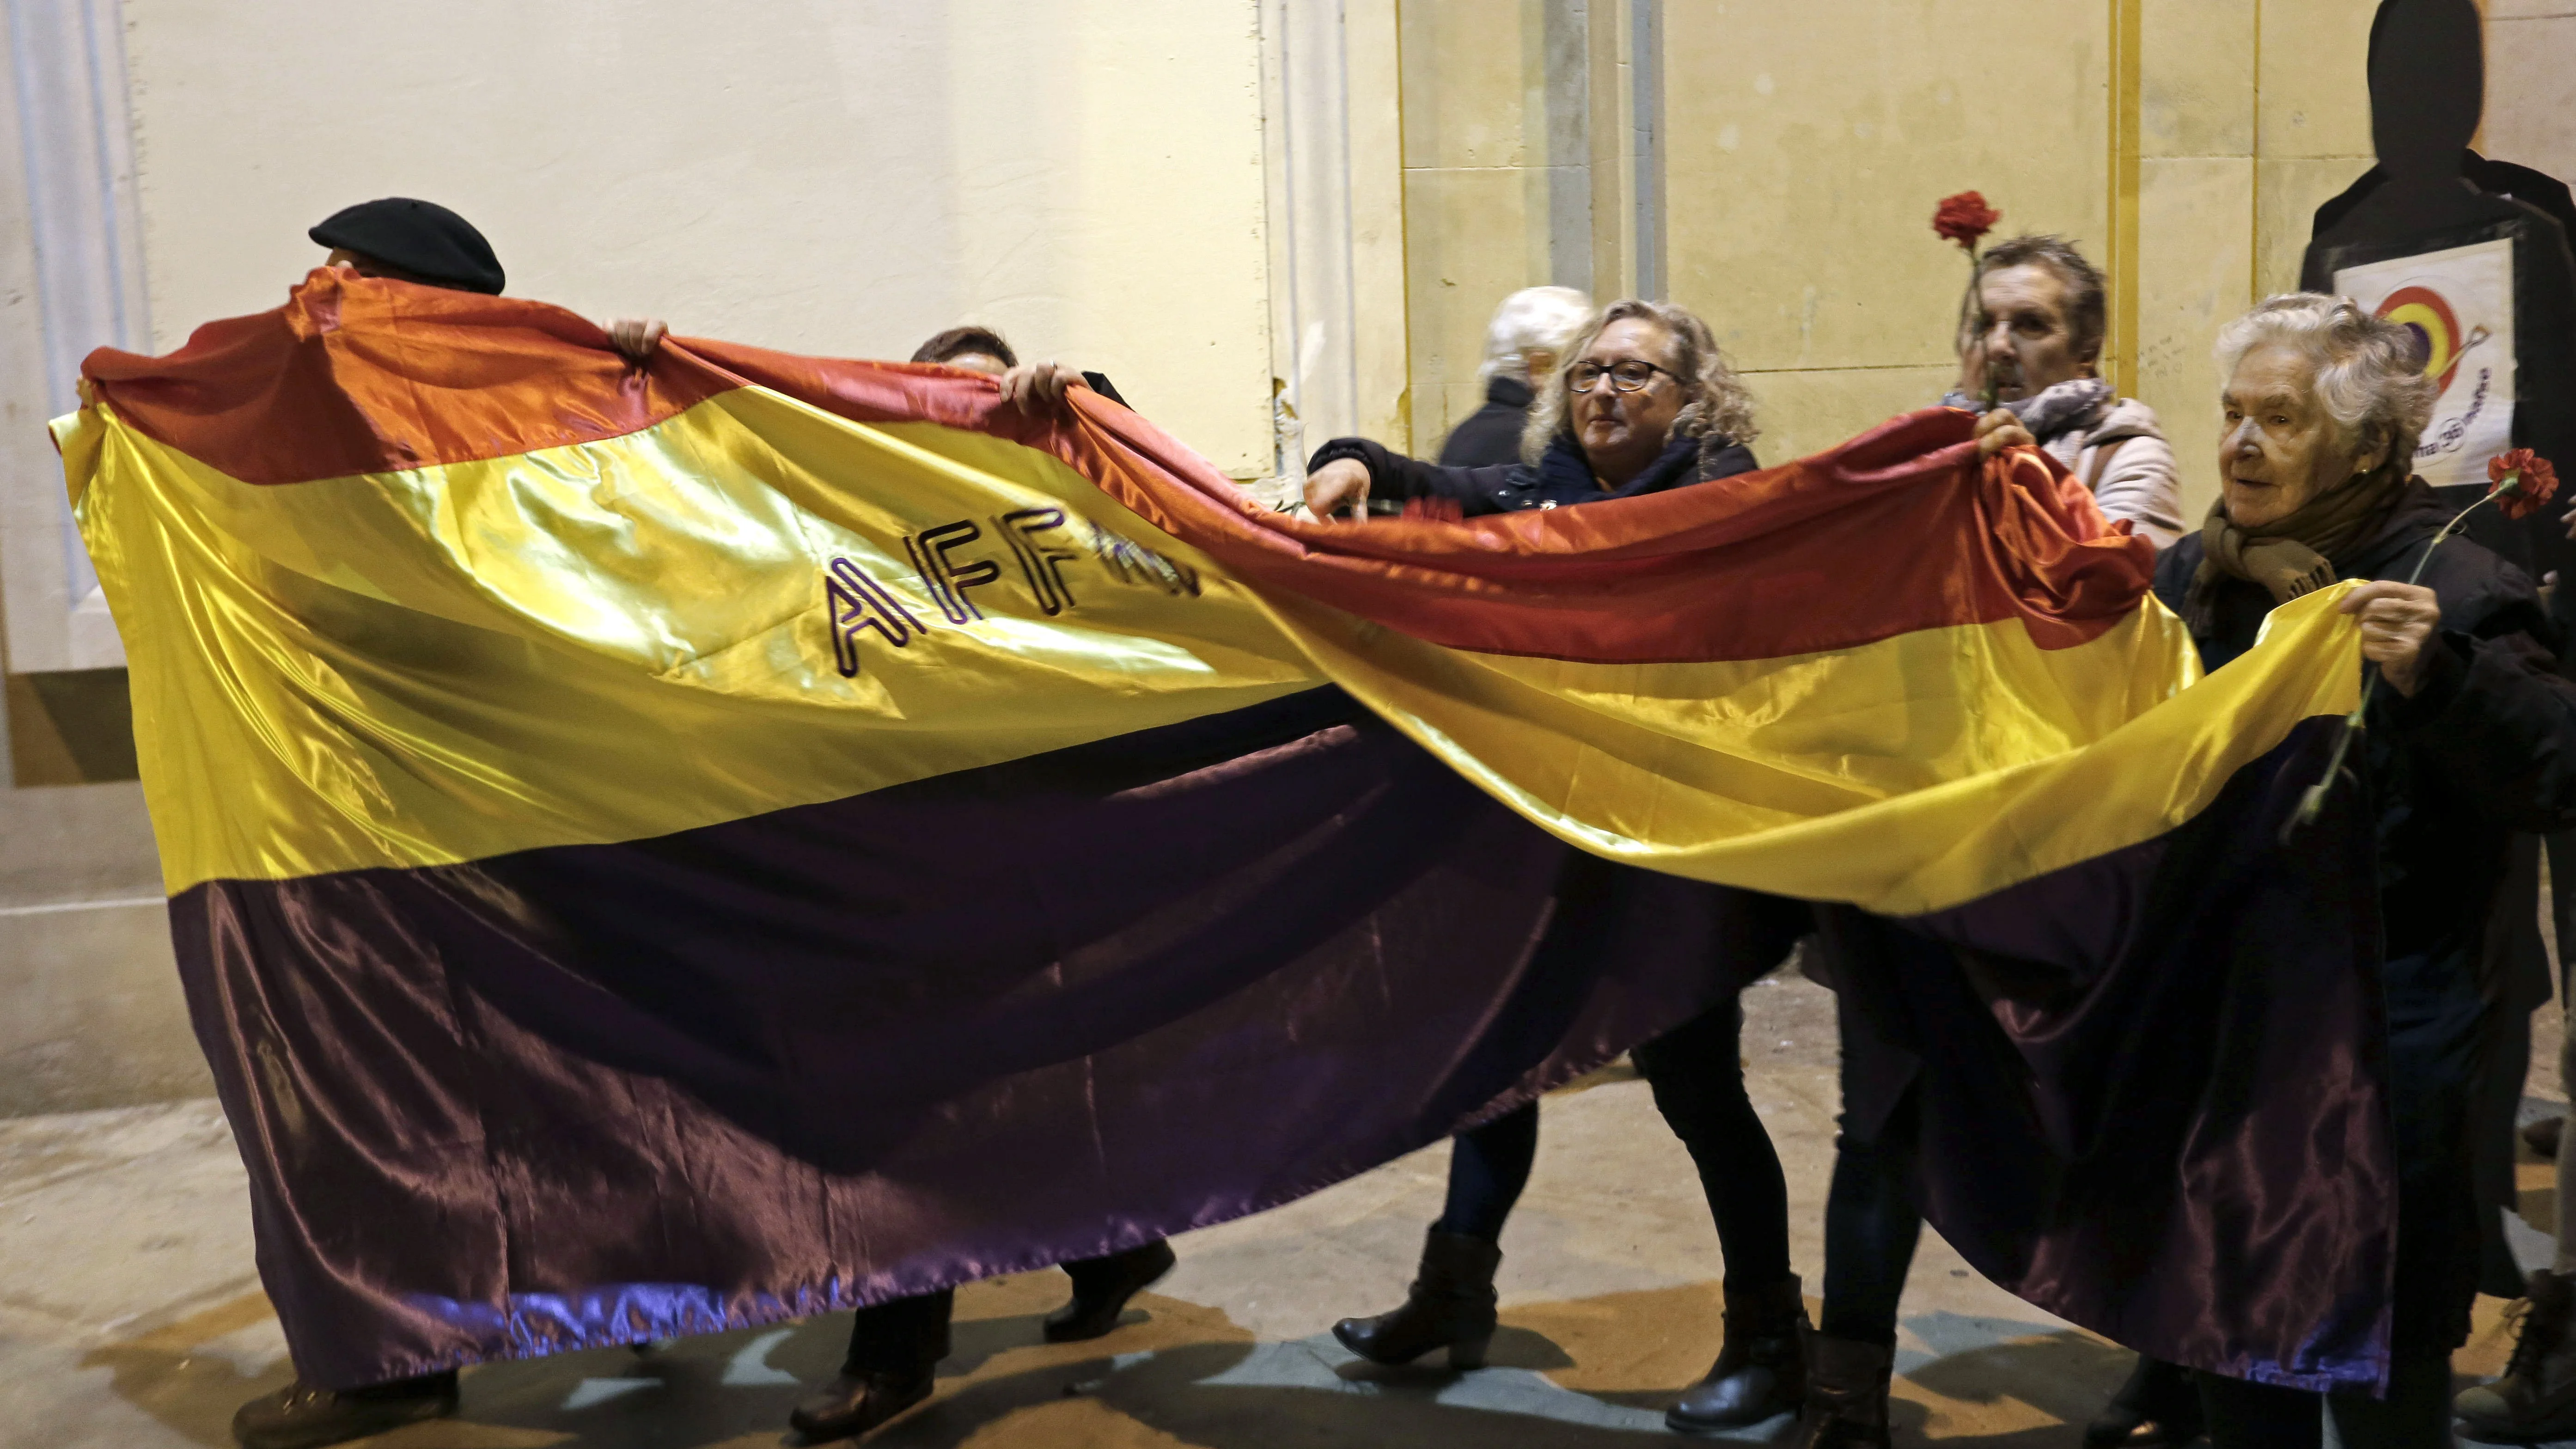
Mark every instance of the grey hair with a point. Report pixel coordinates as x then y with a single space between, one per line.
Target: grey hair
1716 403
2087 295
2370 372
1533 319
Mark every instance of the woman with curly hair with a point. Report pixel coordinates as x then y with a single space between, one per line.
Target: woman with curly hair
1642 403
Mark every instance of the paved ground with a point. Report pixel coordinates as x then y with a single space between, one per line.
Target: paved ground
130 1315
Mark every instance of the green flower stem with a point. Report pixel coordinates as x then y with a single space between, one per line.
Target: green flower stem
2313 802
1968 312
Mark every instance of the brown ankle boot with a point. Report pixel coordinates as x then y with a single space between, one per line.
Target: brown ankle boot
1846 1395
2536 1398
1762 1370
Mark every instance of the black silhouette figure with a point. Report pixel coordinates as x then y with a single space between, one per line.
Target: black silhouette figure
2428 193
2427 83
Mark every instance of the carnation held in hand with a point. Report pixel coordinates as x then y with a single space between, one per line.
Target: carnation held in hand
2520 481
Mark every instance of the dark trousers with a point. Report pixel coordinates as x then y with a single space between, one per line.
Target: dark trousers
1697 1074
905 1334
900 1334
1873 1210
2415 1415
1873 1222
2437 1026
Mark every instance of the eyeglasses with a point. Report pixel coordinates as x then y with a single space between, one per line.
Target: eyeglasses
1629 376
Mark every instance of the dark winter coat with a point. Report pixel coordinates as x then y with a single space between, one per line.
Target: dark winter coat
2486 747
1491 434
1561 478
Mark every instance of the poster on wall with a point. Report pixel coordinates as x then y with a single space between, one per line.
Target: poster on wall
2459 304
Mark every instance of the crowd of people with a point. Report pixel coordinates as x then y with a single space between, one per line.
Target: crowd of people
2323 405
2472 743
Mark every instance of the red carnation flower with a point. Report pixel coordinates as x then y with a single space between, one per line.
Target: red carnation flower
2520 481
1965 219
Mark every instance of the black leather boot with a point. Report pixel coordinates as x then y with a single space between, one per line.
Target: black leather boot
1101 1288
854 1403
301 1417
1846 1395
895 1349
1451 1306
1760 1372
2158 1405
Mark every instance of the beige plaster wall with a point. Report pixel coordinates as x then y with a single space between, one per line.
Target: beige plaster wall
90 1009
2531 80
1497 181
2251 115
1811 142
832 177
840 177
1808 145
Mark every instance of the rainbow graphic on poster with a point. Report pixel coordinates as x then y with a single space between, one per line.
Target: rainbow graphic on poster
2459 303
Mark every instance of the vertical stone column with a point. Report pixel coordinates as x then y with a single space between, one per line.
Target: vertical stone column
72 278
1332 130
1501 185
1805 148
2250 116
2194 264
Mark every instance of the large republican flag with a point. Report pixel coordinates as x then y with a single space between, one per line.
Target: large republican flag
662 850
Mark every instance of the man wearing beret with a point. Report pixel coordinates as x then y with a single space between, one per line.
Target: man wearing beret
419 242
410 241
407 240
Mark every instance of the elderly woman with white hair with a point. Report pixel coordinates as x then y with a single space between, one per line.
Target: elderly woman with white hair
2472 739
1523 343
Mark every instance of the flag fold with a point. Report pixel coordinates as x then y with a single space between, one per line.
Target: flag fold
657 849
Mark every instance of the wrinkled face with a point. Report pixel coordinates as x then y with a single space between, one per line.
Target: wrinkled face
1613 423
2280 447
367 266
2030 340
362 264
983 362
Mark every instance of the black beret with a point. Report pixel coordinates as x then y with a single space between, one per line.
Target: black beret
419 237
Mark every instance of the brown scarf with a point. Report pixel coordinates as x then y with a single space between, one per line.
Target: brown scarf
2288 556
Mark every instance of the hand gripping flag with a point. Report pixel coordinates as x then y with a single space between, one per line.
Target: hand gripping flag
661 850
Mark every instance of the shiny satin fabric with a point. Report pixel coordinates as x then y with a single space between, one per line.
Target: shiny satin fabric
368 375
1897 530
977 1024
1912 775
2153 1087
759 834
845 1052
434 666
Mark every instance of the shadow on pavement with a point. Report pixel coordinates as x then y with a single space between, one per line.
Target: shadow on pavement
1573 1374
